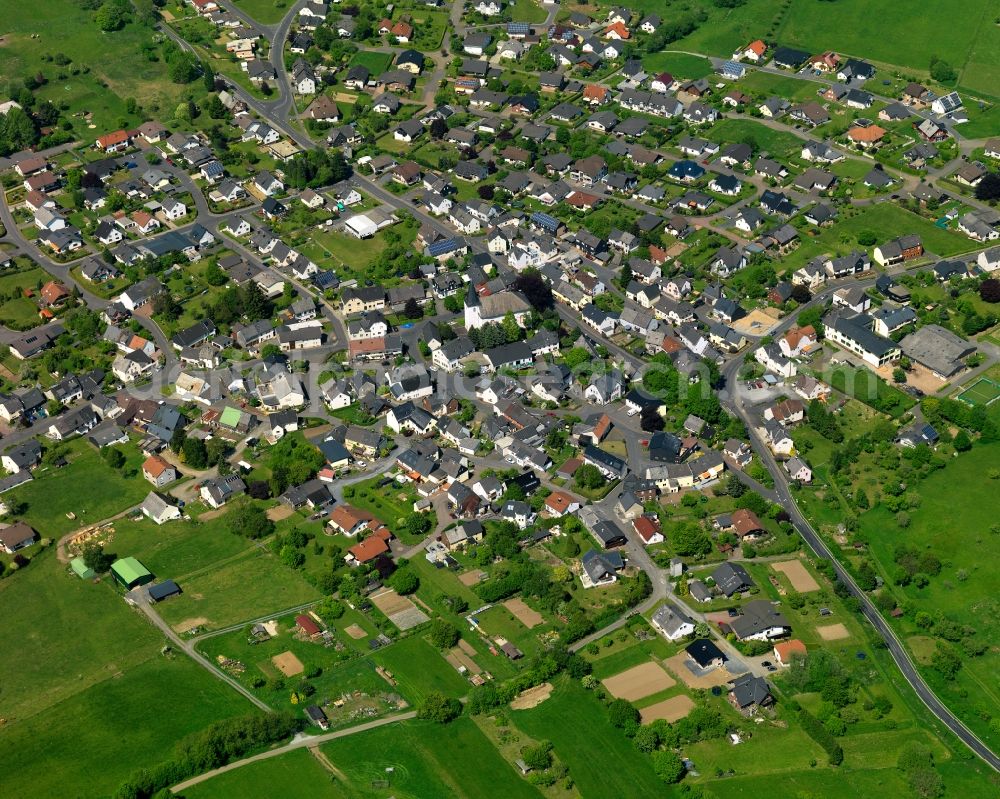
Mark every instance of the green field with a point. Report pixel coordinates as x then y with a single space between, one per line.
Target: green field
918 31
86 695
767 83
954 494
299 773
417 760
587 743
428 760
377 63
74 634
420 669
180 548
680 65
267 12
94 740
87 487
242 589
527 11
770 750
887 220
20 312
867 387
104 68
778 144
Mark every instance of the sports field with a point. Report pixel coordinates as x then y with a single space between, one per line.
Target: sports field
983 392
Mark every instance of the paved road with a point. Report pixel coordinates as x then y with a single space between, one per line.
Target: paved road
299 742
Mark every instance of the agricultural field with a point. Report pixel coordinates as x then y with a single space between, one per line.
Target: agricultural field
96 669
963 40
103 70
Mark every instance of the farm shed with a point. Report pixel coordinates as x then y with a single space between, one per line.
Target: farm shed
130 573
161 591
81 570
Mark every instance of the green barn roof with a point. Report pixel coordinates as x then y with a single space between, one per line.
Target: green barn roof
230 416
130 572
81 570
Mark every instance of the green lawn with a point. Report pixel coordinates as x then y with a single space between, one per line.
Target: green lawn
954 522
887 220
500 622
104 68
267 12
427 760
73 634
586 742
622 655
300 775
770 750
87 487
429 27
389 503
527 11
680 65
867 387
20 312
377 63
420 669
777 143
767 83
180 548
94 740
246 588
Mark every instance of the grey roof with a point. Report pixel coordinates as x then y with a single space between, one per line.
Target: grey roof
731 578
670 619
750 690
756 617
937 348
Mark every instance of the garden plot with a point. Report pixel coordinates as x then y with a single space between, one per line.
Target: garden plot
399 609
673 709
533 697
833 632
356 632
638 682
528 617
798 575
288 664
471 578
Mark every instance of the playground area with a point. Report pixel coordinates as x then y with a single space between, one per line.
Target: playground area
983 392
